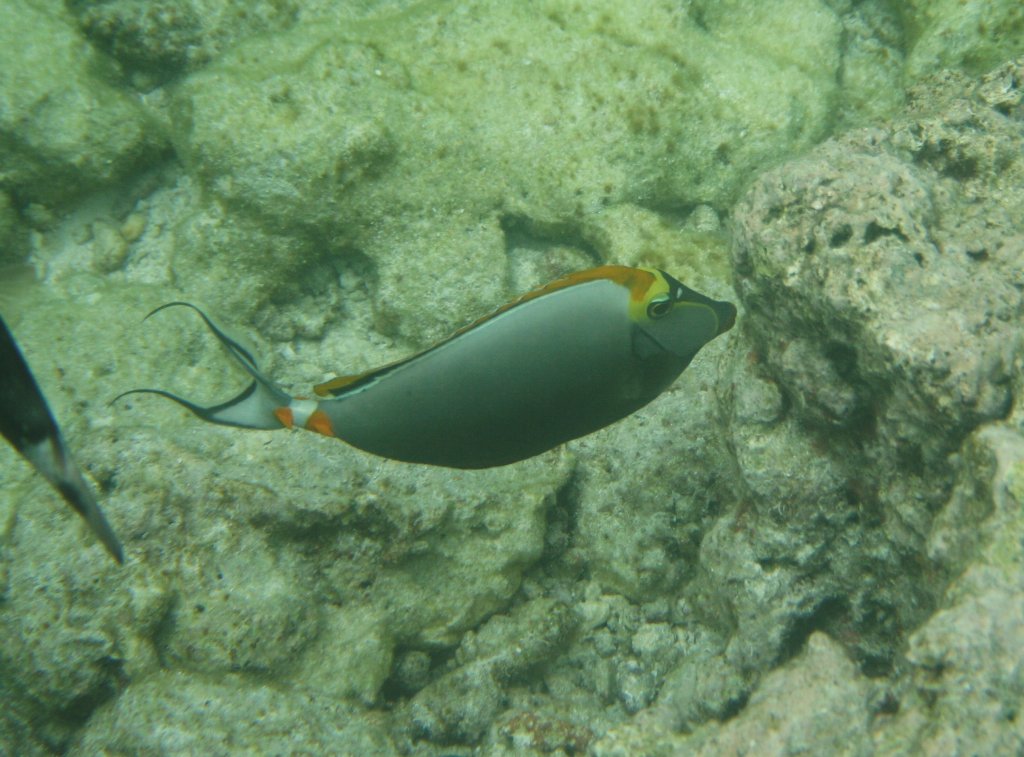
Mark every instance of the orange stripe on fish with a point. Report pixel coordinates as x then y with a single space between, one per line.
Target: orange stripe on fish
320 422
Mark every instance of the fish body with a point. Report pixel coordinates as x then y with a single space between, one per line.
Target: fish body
558 363
27 423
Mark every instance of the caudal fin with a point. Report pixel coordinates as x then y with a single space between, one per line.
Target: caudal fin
257 406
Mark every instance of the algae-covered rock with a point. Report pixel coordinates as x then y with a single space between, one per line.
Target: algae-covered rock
703 687
161 39
461 704
419 265
353 655
830 248
951 34
639 516
178 713
966 678
852 263
389 99
872 62
411 135
965 682
880 276
64 128
74 627
239 609
73 630
816 702
426 552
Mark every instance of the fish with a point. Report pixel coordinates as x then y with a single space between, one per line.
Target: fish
27 423
559 362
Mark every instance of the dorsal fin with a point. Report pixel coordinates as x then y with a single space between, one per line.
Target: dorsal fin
337 384
636 280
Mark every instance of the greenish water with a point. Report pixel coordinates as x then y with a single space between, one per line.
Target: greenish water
815 527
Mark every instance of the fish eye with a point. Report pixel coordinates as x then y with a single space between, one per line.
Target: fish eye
659 307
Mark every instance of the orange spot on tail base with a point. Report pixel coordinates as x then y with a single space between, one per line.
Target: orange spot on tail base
320 423
284 414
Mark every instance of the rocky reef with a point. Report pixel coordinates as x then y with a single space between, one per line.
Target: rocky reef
813 542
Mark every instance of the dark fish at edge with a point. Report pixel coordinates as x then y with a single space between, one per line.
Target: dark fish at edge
26 422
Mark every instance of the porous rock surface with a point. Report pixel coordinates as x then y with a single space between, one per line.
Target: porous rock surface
883 276
876 422
65 129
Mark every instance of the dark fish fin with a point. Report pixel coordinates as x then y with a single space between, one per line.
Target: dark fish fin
26 422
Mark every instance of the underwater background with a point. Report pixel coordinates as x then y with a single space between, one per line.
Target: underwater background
812 543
